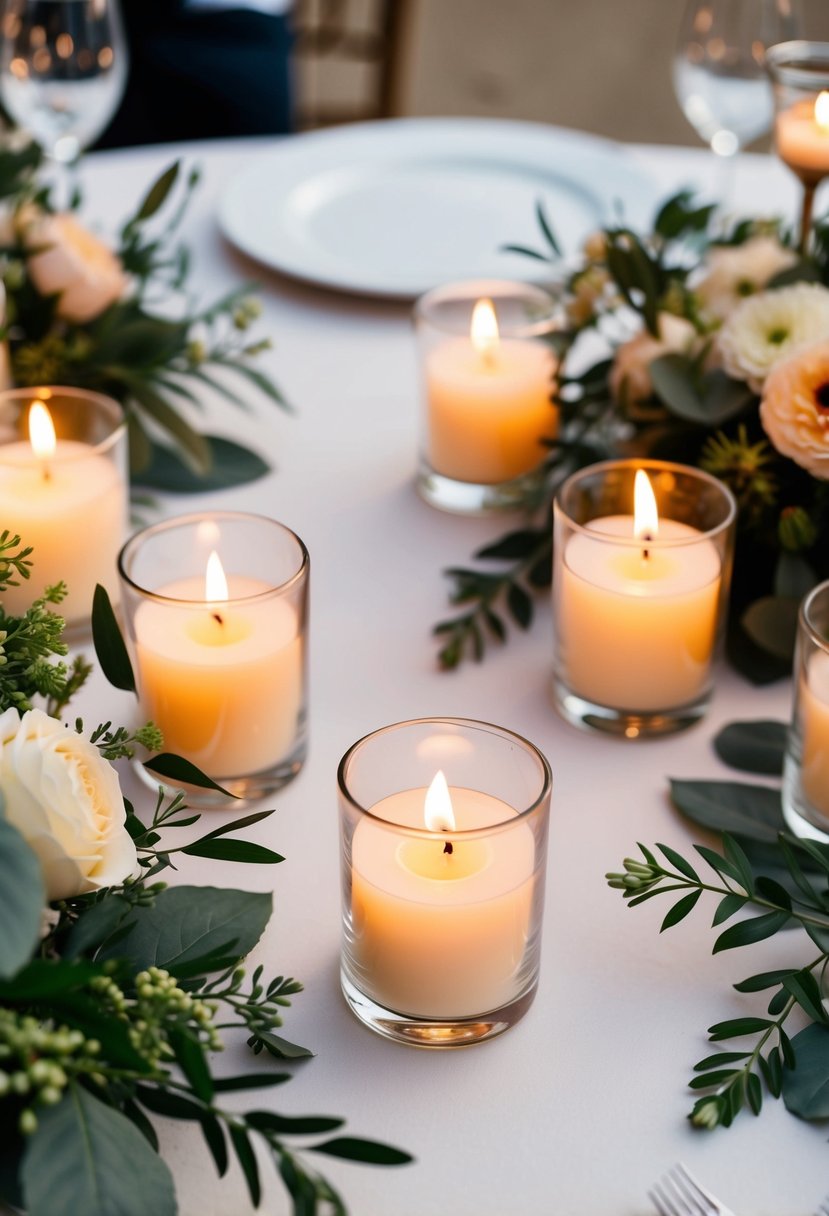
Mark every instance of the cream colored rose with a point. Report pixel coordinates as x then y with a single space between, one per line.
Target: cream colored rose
770 327
630 376
794 410
731 273
74 265
65 799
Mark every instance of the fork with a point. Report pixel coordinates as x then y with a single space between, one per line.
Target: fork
678 1193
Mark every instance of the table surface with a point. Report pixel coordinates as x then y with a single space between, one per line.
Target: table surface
582 1105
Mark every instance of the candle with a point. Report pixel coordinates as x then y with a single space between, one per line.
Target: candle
637 622
67 499
439 923
802 136
220 670
814 725
488 403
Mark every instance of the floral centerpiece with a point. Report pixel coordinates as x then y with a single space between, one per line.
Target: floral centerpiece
700 346
118 320
115 989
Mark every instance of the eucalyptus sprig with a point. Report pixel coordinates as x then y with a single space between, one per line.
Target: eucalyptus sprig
773 881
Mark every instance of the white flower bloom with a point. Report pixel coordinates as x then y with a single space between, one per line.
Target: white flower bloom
769 327
65 800
74 265
794 410
630 376
731 273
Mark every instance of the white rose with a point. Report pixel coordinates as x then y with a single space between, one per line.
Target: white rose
74 265
630 376
771 326
65 800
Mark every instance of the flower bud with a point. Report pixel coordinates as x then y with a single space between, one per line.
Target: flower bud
795 530
706 1113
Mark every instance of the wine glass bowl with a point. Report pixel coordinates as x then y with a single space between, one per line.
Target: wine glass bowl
63 69
719 72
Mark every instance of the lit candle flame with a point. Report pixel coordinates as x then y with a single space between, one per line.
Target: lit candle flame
215 583
645 516
437 809
822 111
483 331
41 431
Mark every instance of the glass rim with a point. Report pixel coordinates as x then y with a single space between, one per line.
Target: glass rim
662 466
424 833
193 518
105 403
807 603
787 63
461 290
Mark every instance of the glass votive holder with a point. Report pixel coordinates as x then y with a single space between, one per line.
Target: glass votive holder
444 845
806 767
487 369
64 488
799 73
216 609
640 590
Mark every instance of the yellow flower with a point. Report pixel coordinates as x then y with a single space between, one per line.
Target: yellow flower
794 410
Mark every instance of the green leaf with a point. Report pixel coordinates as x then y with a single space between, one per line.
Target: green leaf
754 1092
281 1048
753 811
94 926
754 747
513 545
806 1086
250 1080
156 196
191 1060
719 1058
736 855
136 1115
680 910
87 1157
22 899
186 924
546 227
727 907
170 1105
109 644
192 444
747 932
678 862
793 576
708 400
46 978
804 988
771 623
245 1156
766 979
214 1137
233 850
304 1125
231 464
368 1151
520 606
735 1028
176 768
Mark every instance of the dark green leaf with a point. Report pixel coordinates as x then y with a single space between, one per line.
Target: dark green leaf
245 1156
525 251
176 768
282 1049
778 1003
709 1079
735 853
190 443
170 1105
766 979
727 907
186 924
735 1028
804 988
754 1092
513 545
708 400
771 623
753 811
793 576
306 1125
772 891
157 194
520 606
109 644
231 465
191 1060
747 932
719 864
46 978
679 862
214 1137
772 1069
233 850
786 1049
806 1087
22 899
94 926
136 1115
250 1080
546 227
753 747
368 1151
719 1058
87 1157
680 910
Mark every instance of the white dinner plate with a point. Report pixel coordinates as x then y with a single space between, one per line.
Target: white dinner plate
394 208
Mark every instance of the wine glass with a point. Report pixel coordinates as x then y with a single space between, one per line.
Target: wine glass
63 68
719 72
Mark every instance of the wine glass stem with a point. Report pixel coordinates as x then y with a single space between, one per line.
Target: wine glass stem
806 216
726 173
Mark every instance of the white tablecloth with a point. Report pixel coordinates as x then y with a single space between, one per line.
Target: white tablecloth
582 1105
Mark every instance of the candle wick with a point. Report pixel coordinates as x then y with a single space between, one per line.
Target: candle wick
646 552
217 618
448 848
47 473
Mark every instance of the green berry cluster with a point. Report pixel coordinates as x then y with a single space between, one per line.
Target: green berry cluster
36 1061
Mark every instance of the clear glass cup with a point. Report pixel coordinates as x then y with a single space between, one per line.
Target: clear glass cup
806 767
221 666
442 923
63 70
65 491
719 73
799 72
487 368
639 605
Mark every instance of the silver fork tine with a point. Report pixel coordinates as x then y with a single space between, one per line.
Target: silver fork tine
663 1202
688 1186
